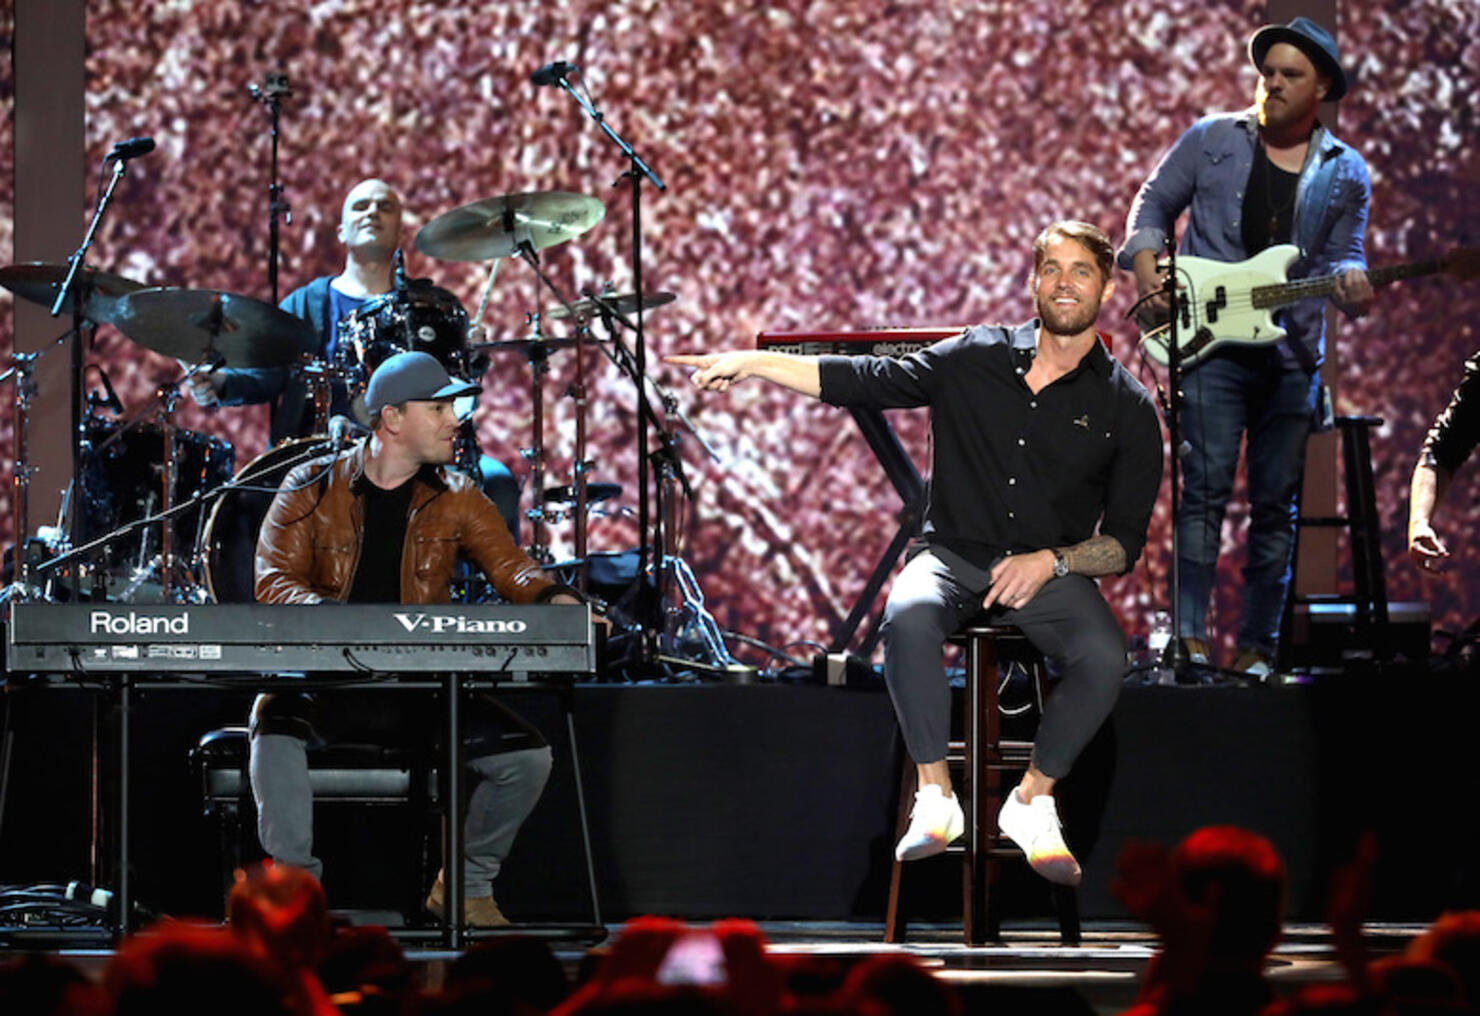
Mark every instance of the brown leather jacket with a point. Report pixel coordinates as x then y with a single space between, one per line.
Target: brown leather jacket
310 542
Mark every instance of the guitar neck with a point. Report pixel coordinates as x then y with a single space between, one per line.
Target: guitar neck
1282 293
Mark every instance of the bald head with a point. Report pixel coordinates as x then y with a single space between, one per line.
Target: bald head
370 221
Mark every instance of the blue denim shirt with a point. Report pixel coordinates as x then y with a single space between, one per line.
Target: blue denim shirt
1207 171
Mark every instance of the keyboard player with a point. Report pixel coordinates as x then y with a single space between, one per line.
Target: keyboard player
383 522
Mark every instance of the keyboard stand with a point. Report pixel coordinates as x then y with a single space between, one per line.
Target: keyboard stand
900 468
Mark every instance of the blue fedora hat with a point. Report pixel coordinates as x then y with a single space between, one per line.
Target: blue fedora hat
1312 40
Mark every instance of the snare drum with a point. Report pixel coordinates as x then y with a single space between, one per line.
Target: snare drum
229 545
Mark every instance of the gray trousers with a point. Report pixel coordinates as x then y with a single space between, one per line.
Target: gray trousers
508 787
1068 621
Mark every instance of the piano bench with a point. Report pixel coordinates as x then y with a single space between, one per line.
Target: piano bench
364 774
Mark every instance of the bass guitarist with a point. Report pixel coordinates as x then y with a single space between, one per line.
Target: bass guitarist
1271 174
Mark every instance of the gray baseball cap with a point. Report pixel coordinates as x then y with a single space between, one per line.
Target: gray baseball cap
413 377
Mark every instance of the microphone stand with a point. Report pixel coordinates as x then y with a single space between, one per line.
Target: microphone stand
74 267
637 171
271 93
1175 656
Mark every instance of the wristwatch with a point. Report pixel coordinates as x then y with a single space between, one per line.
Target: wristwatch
1060 564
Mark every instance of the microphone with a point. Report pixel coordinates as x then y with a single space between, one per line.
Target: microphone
130 149
552 74
113 402
342 432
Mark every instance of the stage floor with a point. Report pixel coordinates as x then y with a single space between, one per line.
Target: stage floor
697 810
1104 971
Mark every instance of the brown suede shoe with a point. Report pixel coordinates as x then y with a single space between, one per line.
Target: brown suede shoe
478 911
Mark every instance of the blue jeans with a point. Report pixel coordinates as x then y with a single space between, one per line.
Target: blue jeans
1243 390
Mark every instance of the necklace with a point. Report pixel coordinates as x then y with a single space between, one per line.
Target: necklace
1276 212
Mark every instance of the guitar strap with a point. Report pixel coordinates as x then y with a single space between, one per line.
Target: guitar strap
1301 354
1322 417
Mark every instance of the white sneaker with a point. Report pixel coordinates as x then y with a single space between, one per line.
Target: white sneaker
1035 828
1254 665
935 821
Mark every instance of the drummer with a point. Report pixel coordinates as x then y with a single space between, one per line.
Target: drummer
370 230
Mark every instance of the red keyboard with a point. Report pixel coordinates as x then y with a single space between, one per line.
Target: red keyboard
867 342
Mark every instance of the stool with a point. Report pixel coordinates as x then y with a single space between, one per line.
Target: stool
982 756
1369 595
339 774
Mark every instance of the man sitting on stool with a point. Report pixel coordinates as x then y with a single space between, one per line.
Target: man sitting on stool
1039 436
383 522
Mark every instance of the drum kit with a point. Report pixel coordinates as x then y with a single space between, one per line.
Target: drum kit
154 506
161 515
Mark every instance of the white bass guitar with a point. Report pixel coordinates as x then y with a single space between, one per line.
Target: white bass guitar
1234 301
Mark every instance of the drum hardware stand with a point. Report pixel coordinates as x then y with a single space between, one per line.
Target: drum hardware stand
679 596
581 469
168 395
637 171
315 374
319 376
687 623
538 355
24 372
271 93
685 619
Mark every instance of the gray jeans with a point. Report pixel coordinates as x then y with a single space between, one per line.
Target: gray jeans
508 787
1068 621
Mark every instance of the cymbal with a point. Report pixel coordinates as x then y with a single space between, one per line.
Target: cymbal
189 324
594 492
39 281
625 303
495 227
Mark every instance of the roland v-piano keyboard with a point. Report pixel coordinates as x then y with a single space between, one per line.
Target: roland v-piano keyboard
274 639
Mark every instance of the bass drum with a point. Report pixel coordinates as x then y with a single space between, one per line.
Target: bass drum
230 538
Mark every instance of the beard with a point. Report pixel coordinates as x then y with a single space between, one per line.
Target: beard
1283 110
1067 321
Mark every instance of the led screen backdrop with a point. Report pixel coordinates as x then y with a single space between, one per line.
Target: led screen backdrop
830 164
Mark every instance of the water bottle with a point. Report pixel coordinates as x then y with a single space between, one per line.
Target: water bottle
1157 642
1161 632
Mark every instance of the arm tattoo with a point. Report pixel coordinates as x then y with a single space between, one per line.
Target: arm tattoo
1099 555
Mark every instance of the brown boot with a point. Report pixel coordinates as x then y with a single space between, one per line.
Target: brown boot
478 911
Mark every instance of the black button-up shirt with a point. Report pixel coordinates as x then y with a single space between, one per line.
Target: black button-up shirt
1015 472
1457 430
